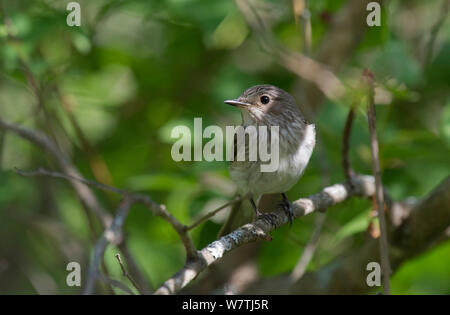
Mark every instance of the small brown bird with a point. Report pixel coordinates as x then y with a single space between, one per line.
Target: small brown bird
268 105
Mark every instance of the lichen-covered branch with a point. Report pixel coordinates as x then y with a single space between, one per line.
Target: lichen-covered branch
362 186
426 225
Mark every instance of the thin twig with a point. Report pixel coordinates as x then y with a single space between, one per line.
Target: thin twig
126 274
43 172
346 165
157 209
212 213
88 199
161 211
134 269
384 249
113 234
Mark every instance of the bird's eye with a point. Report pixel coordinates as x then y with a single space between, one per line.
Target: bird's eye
265 99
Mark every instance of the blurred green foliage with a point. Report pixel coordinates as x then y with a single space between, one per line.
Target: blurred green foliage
136 68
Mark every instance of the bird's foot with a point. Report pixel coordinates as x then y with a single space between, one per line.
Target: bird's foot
286 205
268 217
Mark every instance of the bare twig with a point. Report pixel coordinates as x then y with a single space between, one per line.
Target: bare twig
384 249
361 186
126 274
161 211
213 213
88 199
157 209
113 234
348 170
43 172
134 269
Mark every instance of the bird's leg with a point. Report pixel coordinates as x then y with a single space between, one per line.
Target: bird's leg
287 207
269 217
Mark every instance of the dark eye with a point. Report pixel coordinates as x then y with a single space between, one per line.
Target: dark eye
265 99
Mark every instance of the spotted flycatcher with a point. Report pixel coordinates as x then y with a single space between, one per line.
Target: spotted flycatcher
268 105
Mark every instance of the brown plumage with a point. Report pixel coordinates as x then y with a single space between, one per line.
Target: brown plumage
268 105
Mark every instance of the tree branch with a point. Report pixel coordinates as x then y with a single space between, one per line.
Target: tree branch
362 186
384 248
157 209
424 227
88 199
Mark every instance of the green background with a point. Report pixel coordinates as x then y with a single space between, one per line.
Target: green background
136 68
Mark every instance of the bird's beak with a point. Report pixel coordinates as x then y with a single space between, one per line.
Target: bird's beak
237 103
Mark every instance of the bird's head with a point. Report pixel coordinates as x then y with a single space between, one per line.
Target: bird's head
265 104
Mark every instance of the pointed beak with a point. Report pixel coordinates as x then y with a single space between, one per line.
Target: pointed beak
237 103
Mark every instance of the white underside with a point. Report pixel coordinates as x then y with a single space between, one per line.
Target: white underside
250 180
